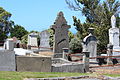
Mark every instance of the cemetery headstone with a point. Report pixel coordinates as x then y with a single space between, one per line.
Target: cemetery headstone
114 36
44 41
60 28
90 44
32 39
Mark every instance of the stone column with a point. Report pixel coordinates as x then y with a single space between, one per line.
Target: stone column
65 53
86 61
109 53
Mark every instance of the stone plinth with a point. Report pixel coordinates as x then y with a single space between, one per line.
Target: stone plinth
7 60
34 64
68 67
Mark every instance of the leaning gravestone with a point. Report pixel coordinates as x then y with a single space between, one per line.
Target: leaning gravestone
60 28
7 60
44 41
90 44
32 39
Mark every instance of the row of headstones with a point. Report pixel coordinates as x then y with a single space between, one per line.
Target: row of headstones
61 39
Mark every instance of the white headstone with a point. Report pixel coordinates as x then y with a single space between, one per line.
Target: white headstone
44 41
32 39
114 36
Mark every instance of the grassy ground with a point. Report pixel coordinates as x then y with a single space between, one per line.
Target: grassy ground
7 75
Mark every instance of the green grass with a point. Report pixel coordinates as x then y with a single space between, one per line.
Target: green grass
112 75
9 75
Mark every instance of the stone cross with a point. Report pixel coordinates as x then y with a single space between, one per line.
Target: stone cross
60 28
44 40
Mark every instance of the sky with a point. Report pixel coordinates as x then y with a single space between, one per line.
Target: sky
39 15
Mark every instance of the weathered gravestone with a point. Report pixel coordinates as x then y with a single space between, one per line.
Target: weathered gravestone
60 28
44 41
114 36
32 39
90 44
7 60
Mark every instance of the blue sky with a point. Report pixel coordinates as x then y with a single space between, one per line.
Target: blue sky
39 14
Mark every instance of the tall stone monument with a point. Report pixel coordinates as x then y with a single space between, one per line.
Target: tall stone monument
90 44
60 28
32 39
44 41
114 36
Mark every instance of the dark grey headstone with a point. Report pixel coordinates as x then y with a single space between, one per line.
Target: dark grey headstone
61 33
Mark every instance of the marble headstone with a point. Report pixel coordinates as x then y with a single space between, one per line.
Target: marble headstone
32 39
44 41
90 44
114 36
60 28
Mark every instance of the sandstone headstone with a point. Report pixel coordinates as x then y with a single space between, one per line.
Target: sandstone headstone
60 28
44 41
90 44
32 39
7 60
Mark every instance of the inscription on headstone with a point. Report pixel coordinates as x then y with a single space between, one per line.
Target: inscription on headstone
61 33
44 41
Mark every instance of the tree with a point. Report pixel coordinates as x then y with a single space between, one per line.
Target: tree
75 45
18 31
5 24
97 15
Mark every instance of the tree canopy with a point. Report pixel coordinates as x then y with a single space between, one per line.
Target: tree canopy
18 31
5 24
